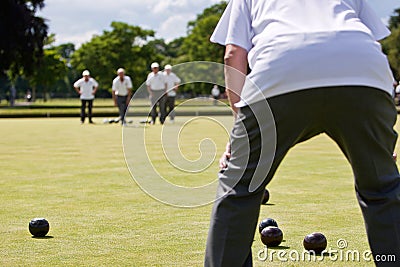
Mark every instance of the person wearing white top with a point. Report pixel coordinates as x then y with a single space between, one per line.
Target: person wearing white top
315 67
157 88
173 82
121 93
86 87
215 94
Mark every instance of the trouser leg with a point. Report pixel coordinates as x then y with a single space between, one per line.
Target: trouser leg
83 109
362 125
90 106
153 112
171 106
158 98
236 210
121 102
163 108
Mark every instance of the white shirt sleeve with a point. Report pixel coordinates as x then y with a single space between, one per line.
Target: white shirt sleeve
234 27
95 83
114 85
128 82
149 76
368 16
177 79
77 84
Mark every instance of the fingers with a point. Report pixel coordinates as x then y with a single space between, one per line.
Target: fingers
223 161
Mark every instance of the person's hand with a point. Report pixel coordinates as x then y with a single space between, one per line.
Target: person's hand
223 161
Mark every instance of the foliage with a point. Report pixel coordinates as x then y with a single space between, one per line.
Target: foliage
66 50
394 21
391 45
197 47
197 44
124 46
52 69
22 35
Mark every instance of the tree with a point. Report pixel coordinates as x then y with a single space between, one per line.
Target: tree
197 47
394 21
52 70
124 46
22 35
65 50
197 44
391 45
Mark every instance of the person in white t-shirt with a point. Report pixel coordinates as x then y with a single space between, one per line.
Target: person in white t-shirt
121 93
157 88
173 82
396 92
215 94
316 67
86 87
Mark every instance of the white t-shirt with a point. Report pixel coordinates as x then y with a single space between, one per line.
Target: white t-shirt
397 89
293 46
215 91
172 80
86 88
156 81
121 88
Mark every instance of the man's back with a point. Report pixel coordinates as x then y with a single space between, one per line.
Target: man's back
317 43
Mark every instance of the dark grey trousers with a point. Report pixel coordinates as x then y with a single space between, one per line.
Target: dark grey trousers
122 106
159 98
171 105
359 119
83 109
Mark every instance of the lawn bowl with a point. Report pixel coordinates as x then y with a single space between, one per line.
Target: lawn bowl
39 227
271 236
267 222
315 242
265 197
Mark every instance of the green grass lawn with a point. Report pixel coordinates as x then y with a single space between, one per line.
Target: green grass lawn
76 177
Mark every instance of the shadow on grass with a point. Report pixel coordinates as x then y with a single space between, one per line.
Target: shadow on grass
326 254
280 247
43 237
268 204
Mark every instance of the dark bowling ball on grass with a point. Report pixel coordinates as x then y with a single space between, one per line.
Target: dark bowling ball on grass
39 227
271 236
265 197
315 242
267 222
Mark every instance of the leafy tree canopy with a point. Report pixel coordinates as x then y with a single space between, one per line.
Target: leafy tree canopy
123 46
22 35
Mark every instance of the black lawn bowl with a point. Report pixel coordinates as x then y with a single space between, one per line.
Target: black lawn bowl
271 236
267 222
39 227
315 242
265 197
